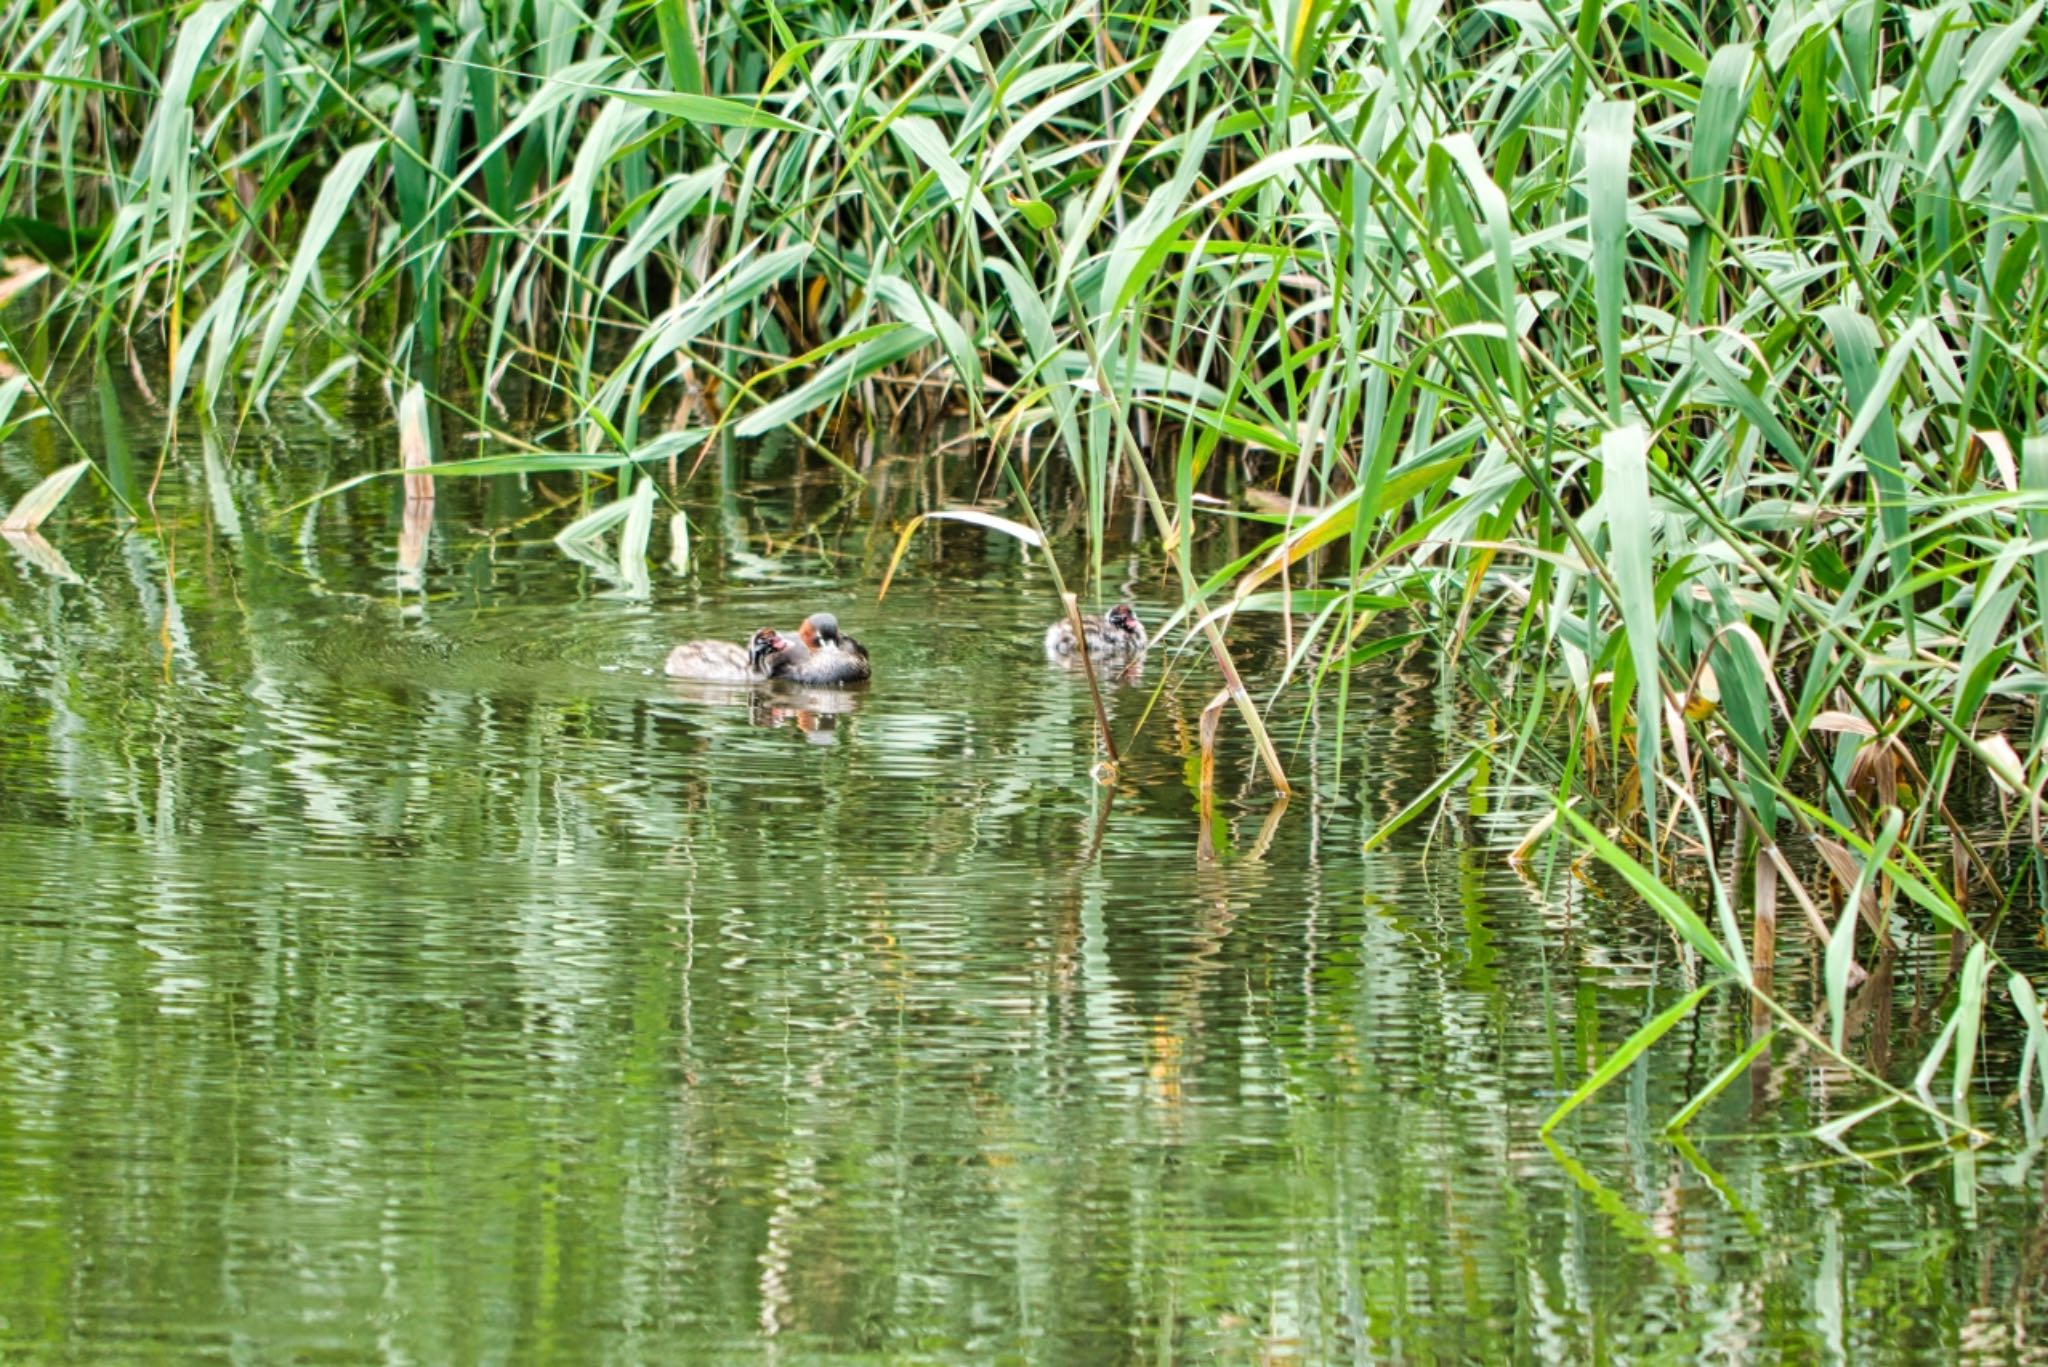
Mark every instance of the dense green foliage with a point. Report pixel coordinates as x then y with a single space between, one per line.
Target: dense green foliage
1680 371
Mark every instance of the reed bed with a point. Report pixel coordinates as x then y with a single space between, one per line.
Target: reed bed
1675 373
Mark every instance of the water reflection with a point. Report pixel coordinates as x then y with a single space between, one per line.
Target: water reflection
413 531
31 547
414 972
817 712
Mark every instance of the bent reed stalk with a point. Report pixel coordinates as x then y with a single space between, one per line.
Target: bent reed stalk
1678 375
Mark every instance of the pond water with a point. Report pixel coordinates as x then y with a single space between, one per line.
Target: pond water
416 975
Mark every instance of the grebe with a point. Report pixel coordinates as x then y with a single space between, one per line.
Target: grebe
767 656
1112 639
825 655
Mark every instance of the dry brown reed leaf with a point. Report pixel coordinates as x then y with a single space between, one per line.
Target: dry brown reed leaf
2004 765
2009 772
1212 720
1743 632
1530 839
1763 936
1874 773
1272 501
2001 457
1844 864
415 445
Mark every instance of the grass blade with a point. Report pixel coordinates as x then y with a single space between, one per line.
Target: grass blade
1651 1031
1608 139
1677 913
336 193
1624 456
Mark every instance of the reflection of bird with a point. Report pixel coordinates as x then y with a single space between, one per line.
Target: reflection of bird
816 712
824 655
767 656
1116 637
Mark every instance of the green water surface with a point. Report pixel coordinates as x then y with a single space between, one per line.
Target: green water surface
412 974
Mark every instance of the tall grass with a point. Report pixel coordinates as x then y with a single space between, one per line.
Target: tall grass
1677 371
